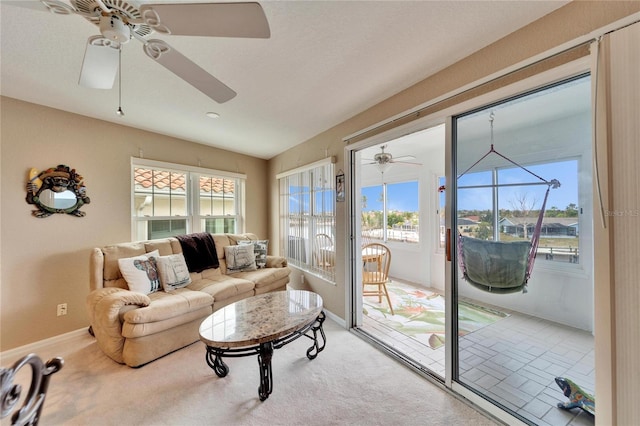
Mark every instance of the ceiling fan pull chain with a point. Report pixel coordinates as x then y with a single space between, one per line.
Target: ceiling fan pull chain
119 112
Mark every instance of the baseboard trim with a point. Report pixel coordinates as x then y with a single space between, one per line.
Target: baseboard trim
336 318
38 346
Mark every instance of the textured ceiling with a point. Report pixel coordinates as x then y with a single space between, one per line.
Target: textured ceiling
325 62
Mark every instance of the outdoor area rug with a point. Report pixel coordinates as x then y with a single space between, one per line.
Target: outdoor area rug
419 314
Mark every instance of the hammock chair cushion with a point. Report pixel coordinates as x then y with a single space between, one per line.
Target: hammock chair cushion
495 266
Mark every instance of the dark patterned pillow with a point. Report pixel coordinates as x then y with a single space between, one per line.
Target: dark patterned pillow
260 248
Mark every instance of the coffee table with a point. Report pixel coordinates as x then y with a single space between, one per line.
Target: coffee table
258 325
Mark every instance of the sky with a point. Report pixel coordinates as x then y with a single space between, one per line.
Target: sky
404 196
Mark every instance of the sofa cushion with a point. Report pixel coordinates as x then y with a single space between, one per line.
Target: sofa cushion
222 287
115 252
168 305
264 277
234 239
260 248
221 241
173 271
141 272
240 258
134 331
163 246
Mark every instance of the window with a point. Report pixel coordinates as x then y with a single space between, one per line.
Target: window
498 200
307 213
172 199
397 203
519 207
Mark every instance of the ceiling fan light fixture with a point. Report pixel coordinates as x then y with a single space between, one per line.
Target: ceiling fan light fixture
113 28
383 167
212 115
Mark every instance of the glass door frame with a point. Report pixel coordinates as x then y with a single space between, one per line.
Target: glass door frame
353 296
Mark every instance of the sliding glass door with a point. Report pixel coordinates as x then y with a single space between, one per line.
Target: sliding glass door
523 275
395 210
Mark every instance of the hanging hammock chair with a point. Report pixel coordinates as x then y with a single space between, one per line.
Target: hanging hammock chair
501 266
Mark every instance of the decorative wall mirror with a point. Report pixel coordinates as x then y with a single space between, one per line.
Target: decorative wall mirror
56 190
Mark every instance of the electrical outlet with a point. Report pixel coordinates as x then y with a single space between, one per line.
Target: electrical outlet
62 309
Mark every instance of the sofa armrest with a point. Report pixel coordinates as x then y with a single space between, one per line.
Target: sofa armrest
103 306
276 261
96 268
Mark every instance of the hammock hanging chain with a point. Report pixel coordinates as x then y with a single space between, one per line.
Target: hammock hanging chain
555 183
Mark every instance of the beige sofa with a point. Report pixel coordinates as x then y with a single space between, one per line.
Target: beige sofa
134 328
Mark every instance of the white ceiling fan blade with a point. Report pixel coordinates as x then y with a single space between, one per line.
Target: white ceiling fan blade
100 63
403 158
33 5
407 162
208 19
188 70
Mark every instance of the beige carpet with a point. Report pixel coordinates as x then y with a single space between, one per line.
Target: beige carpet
349 383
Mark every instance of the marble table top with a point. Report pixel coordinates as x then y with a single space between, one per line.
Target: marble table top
260 318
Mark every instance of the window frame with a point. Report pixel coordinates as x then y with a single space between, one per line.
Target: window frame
315 219
540 257
193 216
387 187
584 185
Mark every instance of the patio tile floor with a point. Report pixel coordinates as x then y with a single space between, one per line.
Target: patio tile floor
514 361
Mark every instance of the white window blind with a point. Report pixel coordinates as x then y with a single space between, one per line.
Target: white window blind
307 216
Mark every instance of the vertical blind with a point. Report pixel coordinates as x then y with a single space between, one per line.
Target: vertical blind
307 217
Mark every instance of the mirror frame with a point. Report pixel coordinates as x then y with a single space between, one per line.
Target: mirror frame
57 179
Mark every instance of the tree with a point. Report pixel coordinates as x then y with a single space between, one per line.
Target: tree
483 232
394 218
571 210
552 212
522 208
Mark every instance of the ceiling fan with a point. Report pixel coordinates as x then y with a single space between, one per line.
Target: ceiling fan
119 21
383 160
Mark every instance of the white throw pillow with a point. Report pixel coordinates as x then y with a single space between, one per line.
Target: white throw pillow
173 271
260 248
240 258
141 272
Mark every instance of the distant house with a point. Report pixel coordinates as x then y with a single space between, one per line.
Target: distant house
551 226
467 225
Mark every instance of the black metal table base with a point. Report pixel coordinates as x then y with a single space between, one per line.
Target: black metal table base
265 353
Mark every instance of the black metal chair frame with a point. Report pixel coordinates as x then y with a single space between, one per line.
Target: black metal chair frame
30 411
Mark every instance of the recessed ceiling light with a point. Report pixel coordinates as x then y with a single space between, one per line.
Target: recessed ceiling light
212 115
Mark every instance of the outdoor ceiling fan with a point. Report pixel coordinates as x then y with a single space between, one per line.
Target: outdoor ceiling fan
120 21
384 160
